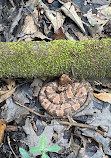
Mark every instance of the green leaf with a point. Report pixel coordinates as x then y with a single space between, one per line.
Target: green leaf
45 155
43 141
24 153
54 148
35 150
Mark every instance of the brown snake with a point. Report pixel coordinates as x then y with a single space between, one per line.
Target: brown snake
61 99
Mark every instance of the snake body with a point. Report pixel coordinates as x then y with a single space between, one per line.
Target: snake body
61 100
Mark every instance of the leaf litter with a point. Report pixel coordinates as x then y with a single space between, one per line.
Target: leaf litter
33 20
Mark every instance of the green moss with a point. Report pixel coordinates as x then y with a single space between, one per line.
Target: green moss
89 59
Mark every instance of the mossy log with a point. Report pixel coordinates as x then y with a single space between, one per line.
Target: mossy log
87 59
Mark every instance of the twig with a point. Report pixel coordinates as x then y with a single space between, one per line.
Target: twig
8 139
74 123
30 110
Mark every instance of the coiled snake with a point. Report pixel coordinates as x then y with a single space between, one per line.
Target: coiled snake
64 97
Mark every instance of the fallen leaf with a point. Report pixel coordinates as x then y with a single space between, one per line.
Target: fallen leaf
10 82
59 35
7 95
56 18
100 2
30 29
70 11
2 92
7 90
47 29
2 129
107 28
68 36
80 35
36 86
106 97
98 20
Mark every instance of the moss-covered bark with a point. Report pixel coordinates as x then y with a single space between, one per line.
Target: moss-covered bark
89 59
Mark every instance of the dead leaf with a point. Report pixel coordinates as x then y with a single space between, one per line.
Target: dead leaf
69 10
2 92
100 2
98 20
59 35
80 35
16 20
56 18
106 97
2 129
7 95
12 111
68 36
36 86
1 27
31 2
10 82
7 90
107 28
30 29
77 8
47 29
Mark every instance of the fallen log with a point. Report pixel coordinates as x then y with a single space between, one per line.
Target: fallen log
87 59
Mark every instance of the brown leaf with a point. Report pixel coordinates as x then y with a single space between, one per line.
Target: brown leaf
2 92
2 129
56 18
70 11
30 29
59 35
7 95
7 90
10 82
106 97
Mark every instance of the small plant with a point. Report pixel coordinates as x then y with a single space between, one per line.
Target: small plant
43 149
24 153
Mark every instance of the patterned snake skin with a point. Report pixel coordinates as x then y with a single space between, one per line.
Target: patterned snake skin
64 99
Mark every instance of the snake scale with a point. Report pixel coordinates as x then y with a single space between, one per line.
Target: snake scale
64 97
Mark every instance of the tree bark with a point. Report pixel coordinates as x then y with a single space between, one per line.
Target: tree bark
86 59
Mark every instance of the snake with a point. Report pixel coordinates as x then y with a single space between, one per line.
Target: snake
66 98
